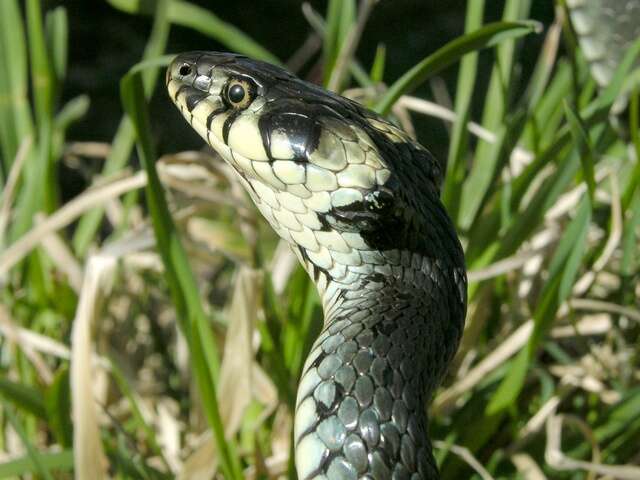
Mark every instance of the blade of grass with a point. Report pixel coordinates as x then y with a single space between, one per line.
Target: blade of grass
15 114
27 398
547 112
180 278
631 199
317 22
486 37
464 91
348 47
634 129
72 111
629 243
271 346
43 79
40 468
340 18
486 157
298 333
39 192
192 16
57 401
57 30
377 68
611 92
60 461
585 150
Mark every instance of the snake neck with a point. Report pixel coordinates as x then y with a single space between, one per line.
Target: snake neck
386 344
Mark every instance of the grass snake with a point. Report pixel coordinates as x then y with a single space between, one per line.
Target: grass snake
358 202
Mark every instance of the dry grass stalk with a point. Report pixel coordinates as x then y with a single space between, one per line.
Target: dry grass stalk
556 458
235 372
465 455
14 335
91 198
527 467
62 257
88 453
445 401
9 189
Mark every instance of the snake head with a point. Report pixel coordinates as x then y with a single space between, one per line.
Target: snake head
322 169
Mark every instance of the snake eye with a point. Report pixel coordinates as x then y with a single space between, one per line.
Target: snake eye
184 70
240 93
237 93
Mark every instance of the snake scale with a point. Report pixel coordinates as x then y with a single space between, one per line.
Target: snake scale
358 201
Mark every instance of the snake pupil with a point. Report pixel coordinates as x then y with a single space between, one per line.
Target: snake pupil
236 93
184 70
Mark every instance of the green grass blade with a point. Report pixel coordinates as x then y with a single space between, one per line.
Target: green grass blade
71 112
317 22
15 116
340 18
43 78
459 136
629 243
634 129
566 260
585 150
611 92
180 278
60 461
192 16
27 398
271 344
377 68
57 28
40 191
487 155
330 44
39 467
486 37
631 197
547 113
57 401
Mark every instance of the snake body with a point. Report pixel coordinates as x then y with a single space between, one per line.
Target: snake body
358 201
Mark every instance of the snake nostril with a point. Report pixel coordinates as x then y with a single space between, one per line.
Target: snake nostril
184 70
